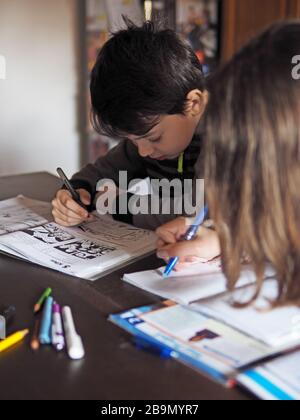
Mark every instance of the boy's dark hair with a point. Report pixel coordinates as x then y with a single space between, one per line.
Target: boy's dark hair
140 74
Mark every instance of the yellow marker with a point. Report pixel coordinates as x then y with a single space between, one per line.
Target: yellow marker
180 163
12 340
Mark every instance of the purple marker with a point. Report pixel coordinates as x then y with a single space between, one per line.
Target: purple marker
58 339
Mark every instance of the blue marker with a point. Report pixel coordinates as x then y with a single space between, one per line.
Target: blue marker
154 347
190 234
45 330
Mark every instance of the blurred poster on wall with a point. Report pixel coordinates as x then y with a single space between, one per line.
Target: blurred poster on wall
102 18
117 8
165 10
96 16
198 22
97 33
96 29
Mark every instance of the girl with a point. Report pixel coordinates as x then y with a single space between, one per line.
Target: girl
252 165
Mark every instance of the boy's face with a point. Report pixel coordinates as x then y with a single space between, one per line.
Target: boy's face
170 137
173 134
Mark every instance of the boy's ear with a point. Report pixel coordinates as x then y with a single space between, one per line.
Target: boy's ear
196 102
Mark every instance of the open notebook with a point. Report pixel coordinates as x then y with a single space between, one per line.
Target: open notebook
27 232
279 327
214 348
202 287
194 339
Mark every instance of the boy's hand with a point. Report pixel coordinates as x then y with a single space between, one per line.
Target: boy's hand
205 246
67 212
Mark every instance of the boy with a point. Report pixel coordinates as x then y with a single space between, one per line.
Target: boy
147 90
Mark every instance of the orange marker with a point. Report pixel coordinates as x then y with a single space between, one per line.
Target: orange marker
35 343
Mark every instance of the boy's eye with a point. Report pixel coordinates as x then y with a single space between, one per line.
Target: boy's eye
155 140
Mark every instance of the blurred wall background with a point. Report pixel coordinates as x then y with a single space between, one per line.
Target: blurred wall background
50 47
38 129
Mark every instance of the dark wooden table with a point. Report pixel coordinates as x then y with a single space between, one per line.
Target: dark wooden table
112 368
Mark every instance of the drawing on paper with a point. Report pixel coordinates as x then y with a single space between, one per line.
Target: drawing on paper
85 249
49 234
120 234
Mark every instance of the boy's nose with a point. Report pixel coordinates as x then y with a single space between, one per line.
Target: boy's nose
144 148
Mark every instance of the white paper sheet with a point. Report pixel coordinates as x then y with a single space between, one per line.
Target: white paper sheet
199 281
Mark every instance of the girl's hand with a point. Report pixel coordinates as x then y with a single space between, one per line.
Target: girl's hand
205 246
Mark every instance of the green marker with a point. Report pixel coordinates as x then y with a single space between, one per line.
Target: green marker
39 304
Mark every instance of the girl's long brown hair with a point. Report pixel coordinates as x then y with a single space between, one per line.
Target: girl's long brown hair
252 160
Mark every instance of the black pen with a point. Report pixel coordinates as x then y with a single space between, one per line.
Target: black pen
75 195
